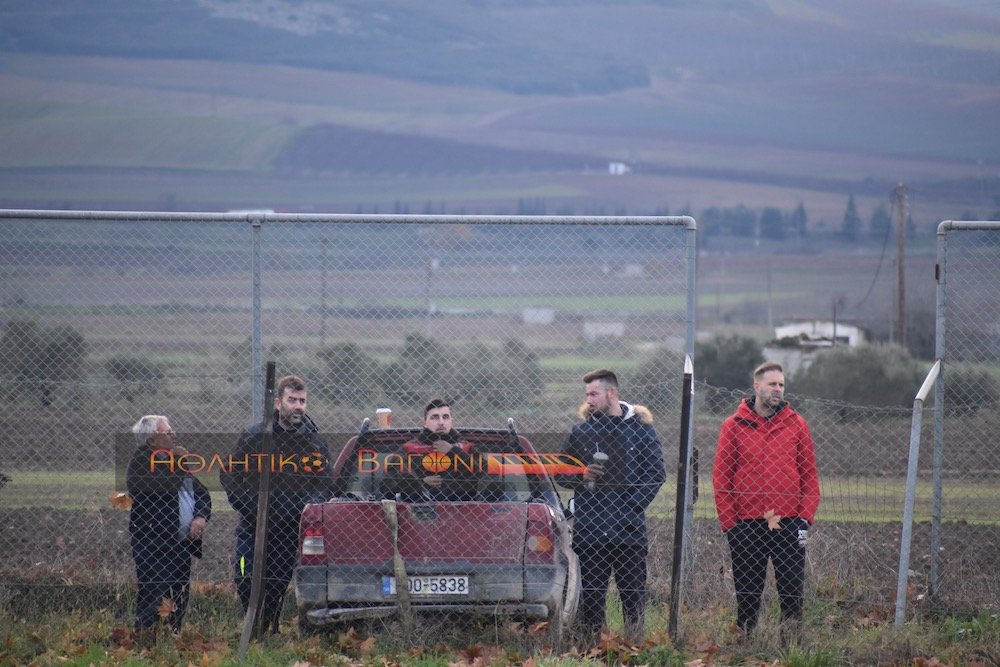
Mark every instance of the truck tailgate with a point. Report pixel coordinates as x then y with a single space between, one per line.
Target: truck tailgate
469 532
356 532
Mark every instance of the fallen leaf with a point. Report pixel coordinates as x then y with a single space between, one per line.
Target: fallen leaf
120 501
123 637
166 608
773 520
472 652
367 646
120 653
538 628
207 587
352 640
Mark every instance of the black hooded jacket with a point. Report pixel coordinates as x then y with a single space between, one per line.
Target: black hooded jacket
613 511
300 472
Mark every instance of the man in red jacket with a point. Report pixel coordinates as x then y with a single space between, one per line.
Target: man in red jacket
766 494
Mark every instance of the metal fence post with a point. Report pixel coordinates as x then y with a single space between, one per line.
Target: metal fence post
683 476
256 343
911 491
941 321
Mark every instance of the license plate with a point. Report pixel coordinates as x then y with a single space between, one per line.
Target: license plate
440 584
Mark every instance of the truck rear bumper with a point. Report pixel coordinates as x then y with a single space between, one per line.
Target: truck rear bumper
332 594
336 615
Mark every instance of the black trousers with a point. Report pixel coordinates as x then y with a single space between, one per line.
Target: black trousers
752 544
163 572
282 556
597 563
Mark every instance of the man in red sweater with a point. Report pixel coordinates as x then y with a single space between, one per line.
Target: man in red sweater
766 494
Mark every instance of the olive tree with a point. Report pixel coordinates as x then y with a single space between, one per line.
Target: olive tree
40 358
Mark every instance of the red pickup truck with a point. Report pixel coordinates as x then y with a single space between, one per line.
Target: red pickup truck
388 545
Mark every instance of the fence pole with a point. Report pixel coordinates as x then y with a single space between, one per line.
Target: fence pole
256 343
683 459
911 491
252 621
941 321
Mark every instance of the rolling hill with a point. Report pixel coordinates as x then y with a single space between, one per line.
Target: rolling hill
480 104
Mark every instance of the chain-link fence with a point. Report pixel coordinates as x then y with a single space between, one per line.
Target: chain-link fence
965 470
852 551
110 317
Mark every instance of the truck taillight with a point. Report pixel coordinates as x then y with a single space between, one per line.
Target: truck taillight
539 542
312 541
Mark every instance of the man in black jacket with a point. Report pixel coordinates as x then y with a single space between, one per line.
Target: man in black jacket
624 472
438 437
300 467
170 508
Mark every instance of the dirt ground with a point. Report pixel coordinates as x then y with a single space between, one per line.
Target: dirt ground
852 564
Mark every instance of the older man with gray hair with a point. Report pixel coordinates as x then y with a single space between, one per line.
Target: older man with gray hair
170 508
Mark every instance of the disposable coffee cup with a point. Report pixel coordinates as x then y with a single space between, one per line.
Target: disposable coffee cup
601 459
383 417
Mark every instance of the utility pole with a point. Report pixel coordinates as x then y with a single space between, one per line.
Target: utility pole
770 305
900 253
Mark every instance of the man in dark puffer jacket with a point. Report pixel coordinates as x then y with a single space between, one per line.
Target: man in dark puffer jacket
610 500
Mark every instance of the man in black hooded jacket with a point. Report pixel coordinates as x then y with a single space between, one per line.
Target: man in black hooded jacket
610 500
300 468
455 481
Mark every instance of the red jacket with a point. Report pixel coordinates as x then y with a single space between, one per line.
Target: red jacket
764 465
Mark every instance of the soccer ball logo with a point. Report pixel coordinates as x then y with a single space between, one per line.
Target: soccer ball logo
314 462
436 462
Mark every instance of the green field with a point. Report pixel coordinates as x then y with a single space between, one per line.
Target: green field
845 500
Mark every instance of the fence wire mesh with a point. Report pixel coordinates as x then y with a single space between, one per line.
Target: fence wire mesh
852 549
110 318
965 473
106 320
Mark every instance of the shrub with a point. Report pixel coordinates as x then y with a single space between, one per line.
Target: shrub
41 357
424 368
239 372
135 376
353 377
869 375
656 383
727 361
966 389
503 378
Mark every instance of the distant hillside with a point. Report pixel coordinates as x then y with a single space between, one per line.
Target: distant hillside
710 102
446 41
337 148
887 76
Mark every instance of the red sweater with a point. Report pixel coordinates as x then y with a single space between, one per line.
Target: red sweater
764 465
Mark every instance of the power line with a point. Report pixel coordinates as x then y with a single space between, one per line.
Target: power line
881 258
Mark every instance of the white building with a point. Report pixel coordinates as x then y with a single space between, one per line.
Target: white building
818 331
594 330
796 344
618 168
538 316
